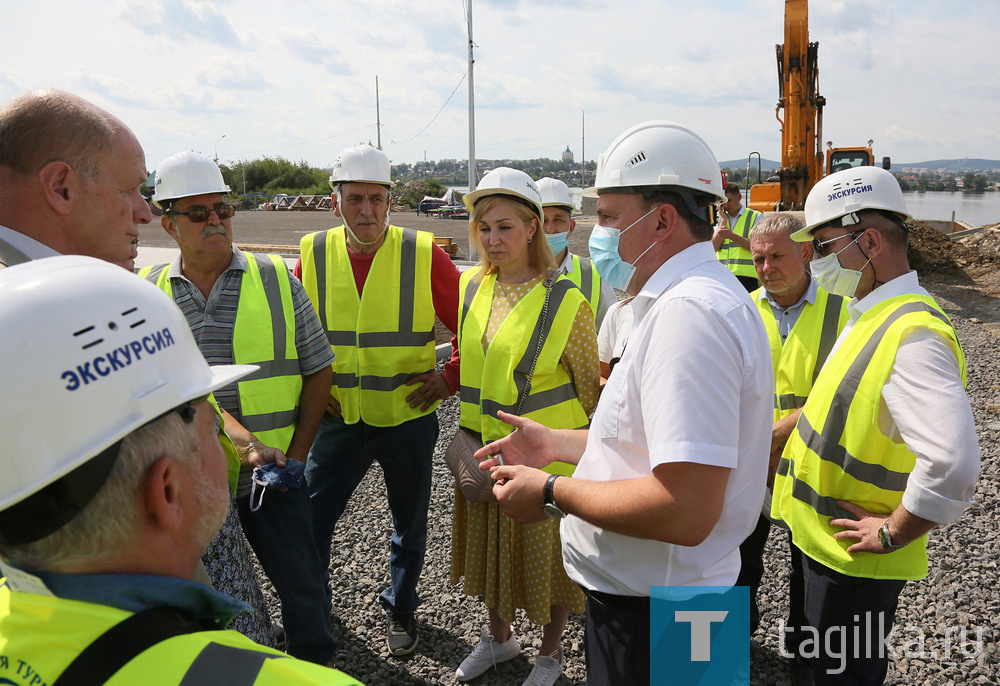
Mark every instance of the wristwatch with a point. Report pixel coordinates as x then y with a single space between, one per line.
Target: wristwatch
885 539
549 506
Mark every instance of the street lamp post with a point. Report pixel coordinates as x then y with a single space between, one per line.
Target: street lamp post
217 148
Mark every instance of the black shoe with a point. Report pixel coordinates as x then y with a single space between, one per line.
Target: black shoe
402 635
278 632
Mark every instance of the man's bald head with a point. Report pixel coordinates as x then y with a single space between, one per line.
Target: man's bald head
48 125
70 175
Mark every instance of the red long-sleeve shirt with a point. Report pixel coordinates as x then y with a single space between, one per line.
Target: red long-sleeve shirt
444 291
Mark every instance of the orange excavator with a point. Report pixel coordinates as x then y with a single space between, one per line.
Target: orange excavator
802 157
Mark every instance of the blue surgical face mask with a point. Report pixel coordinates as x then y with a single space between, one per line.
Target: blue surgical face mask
558 241
603 246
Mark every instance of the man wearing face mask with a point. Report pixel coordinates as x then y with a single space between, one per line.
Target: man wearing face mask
885 448
247 308
559 226
671 471
377 289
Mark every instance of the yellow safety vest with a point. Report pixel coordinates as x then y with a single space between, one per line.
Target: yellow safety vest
799 359
264 335
382 338
228 449
737 258
494 379
837 451
41 635
587 280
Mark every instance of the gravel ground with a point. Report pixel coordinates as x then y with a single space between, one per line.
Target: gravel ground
947 624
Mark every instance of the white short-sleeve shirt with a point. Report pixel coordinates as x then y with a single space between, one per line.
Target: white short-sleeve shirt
695 384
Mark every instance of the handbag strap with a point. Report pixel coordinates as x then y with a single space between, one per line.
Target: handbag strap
116 647
543 318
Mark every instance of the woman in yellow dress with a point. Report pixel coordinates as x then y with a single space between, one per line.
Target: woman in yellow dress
518 347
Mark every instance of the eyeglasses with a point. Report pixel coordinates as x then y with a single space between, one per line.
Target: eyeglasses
199 214
818 246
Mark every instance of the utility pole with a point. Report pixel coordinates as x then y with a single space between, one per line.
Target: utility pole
473 253
583 157
378 116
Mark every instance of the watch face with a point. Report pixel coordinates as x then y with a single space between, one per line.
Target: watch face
552 510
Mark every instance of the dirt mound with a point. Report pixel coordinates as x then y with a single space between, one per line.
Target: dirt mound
932 251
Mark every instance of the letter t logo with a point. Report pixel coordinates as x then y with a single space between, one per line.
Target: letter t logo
701 630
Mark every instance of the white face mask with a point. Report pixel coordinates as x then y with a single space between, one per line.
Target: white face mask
833 277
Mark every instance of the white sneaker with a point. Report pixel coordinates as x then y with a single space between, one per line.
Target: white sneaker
487 654
545 672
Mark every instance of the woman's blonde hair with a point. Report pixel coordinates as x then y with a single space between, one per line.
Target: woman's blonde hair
540 257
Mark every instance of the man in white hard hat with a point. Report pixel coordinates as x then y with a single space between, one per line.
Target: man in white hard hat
557 204
731 238
70 174
247 308
377 289
114 483
671 471
885 448
802 322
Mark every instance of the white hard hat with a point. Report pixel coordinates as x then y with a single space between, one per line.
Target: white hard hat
185 174
555 193
844 193
88 354
511 182
658 153
361 164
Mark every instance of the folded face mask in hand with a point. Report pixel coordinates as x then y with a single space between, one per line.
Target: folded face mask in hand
271 475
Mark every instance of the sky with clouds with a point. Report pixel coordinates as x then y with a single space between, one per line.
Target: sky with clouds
297 79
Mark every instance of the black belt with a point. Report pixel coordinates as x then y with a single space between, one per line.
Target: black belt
630 603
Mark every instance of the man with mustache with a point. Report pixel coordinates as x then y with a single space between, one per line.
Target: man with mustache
70 174
240 308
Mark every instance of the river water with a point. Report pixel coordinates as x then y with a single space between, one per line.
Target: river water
976 209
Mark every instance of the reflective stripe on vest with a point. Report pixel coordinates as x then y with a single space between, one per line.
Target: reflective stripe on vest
494 379
383 337
587 280
797 361
264 335
837 451
42 635
737 258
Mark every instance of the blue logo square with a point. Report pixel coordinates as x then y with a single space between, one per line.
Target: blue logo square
699 634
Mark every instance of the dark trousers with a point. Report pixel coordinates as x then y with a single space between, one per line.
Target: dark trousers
852 614
752 565
280 533
340 458
617 639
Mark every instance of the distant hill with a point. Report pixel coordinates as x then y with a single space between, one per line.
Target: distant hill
963 164
765 164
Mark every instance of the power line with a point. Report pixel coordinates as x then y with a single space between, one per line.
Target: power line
438 112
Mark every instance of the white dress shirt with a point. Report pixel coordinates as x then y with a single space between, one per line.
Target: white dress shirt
695 384
29 246
925 405
613 335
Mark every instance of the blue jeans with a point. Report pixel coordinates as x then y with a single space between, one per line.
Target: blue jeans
340 458
280 533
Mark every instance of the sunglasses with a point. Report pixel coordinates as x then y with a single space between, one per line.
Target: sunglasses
819 247
199 214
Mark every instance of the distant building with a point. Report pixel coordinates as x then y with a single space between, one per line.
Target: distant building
567 155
